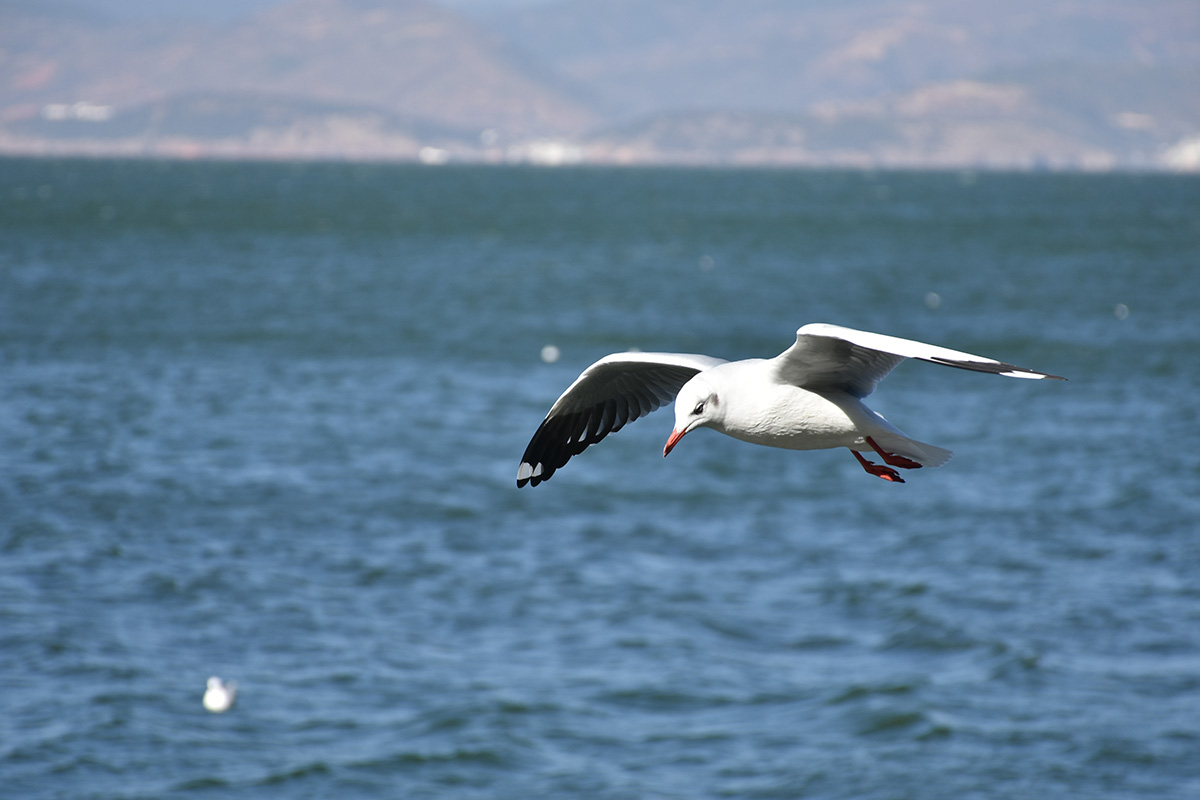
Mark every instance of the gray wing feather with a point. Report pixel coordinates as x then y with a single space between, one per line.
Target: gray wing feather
830 356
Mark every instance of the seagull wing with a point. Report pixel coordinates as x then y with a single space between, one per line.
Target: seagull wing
830 356
617 389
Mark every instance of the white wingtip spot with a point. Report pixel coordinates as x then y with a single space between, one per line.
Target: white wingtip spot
1036 376
524 472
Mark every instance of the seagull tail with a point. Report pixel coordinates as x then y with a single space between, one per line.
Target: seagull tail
895 441
927 455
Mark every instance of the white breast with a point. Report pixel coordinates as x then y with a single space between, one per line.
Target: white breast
786 416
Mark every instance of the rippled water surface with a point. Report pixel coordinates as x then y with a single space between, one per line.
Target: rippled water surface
263 422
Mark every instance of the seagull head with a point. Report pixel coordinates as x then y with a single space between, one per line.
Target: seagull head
696 405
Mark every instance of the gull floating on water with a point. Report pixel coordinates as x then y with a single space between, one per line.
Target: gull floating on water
809 397
219 697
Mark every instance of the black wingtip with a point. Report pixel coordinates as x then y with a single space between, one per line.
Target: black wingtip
532 474
995 368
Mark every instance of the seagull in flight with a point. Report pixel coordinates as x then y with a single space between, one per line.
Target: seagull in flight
809 397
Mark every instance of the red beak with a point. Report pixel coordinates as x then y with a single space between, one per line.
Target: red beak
672 441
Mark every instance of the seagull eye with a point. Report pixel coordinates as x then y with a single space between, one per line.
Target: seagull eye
699 409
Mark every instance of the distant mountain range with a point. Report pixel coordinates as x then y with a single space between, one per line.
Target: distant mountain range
943 83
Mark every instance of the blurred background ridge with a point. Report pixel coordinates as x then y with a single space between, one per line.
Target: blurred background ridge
1006 84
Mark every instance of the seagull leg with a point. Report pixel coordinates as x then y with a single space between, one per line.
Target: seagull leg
892 458
878 470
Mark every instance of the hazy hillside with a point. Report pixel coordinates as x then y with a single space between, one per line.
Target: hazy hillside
1007 83
997 82
407 58
643 57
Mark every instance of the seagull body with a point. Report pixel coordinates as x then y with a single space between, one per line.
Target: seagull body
219 696
809 397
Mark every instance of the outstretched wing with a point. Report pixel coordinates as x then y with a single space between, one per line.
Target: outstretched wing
615 390
830 356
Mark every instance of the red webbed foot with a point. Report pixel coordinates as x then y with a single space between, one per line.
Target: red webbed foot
878 470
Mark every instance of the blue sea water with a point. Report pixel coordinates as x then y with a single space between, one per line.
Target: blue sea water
263 421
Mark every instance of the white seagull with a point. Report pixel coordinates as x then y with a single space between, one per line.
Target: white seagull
219 696
809 397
